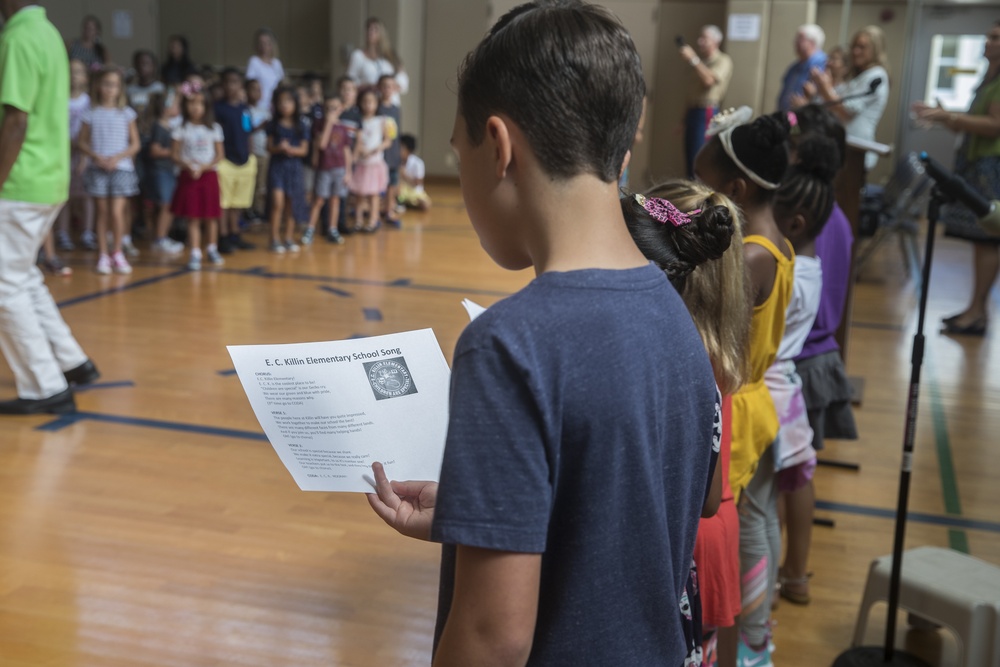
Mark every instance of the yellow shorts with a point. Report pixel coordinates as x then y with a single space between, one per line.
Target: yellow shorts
237 183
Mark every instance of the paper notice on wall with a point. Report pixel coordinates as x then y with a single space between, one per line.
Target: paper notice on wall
121 24
743 28
331 409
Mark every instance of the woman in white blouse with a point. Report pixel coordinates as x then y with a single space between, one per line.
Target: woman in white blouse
265 66
860 115
377 59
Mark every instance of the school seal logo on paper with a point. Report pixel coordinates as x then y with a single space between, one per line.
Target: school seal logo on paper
390 378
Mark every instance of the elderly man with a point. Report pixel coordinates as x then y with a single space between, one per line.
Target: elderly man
34 184
809 50
708 80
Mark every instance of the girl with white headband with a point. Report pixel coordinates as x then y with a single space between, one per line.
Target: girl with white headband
746 161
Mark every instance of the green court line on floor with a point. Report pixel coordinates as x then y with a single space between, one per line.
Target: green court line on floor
957 539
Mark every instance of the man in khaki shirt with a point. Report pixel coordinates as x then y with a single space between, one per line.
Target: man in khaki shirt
711 71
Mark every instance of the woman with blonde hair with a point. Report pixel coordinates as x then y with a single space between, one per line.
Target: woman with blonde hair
376 60
265 67
868 64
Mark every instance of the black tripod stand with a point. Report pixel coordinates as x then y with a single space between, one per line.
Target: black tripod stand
871 656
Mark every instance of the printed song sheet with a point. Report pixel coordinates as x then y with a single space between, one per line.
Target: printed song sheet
331 409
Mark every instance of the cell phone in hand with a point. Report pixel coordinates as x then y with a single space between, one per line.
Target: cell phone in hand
679 41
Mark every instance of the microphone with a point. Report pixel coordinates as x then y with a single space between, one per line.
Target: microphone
956 187
872 87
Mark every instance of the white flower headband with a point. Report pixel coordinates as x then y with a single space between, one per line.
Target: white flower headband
722 126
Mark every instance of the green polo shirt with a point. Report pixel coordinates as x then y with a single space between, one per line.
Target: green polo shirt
34 77
979 146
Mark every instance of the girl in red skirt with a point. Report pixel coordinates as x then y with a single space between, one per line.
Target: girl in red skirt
197 150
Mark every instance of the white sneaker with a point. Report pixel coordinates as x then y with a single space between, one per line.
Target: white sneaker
214 257
120 264
168 245
103 265
129 247
291 246
194 264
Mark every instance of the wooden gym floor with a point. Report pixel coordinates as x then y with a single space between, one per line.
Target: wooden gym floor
157 527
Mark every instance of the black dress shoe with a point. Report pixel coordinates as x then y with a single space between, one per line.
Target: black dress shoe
85 373
61 403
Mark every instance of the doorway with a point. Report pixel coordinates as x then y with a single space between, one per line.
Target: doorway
946 66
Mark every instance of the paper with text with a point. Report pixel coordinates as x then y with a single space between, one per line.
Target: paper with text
331 409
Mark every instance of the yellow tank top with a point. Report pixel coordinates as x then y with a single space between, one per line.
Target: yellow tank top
755 421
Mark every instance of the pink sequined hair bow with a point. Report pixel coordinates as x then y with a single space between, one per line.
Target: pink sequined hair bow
663 211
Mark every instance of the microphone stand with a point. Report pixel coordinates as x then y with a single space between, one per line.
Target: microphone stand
870 656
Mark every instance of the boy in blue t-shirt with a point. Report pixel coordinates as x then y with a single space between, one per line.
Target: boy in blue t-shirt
581 414
238 169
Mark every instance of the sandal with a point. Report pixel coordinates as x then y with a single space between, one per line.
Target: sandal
372 228
974 328
795 590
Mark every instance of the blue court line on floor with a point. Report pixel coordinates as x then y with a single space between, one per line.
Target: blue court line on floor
915 517
226 372
372 314
64 421
334 290
68 420
103 385
121 288
404 283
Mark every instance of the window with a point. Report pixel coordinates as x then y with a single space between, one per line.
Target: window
956 68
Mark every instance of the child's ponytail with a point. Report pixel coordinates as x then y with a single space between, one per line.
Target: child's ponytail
675 241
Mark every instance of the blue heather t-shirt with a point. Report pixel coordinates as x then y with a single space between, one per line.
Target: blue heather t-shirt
236 129
580 428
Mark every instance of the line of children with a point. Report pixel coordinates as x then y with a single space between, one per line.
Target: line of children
411 176
716 293
197 150
334 165
160 171
109 137
79 102
801 207
288 143
238 168
371 173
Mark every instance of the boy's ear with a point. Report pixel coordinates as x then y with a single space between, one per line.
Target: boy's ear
498 135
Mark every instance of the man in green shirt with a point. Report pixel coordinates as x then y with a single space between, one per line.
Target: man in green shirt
34 183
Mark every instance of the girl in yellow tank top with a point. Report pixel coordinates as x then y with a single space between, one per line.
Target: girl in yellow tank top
755 421
747 162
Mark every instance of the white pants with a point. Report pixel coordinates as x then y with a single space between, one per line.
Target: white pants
34 339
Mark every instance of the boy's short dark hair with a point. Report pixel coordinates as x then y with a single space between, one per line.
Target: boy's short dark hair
228 72
382 78
409 141
344 79
249 82
568 74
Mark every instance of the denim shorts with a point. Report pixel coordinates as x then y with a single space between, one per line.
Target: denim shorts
330 183
117 183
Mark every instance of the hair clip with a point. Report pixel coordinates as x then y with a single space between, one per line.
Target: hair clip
793 123
189 88
663 211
